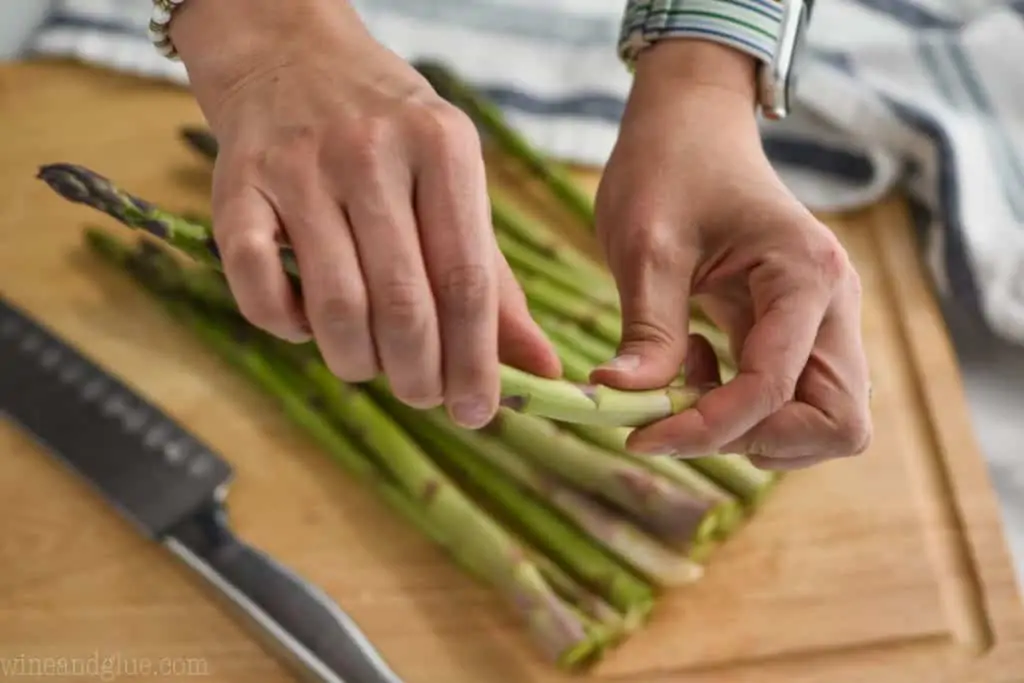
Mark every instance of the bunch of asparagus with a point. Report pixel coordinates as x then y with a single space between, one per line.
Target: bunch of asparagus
545 504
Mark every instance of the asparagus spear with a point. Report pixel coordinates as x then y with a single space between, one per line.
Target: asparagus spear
611 626
565 332
617 534
673 515
575 366
527 515
732 472
490 119
588 404
737 474
613 440
79 184
463 528
550 297
535 241
201 140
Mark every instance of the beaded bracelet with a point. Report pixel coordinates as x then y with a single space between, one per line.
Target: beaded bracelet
159 23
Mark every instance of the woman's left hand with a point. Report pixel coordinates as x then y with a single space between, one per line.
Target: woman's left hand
689 206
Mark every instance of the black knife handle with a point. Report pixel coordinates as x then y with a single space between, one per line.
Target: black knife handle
299 620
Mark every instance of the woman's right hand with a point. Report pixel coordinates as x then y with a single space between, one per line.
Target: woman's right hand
379 184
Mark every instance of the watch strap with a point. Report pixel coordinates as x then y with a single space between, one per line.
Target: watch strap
751 26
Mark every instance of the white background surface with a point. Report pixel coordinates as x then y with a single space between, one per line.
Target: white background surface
993 371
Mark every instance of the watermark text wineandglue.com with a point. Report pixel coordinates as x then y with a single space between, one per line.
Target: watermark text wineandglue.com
101 666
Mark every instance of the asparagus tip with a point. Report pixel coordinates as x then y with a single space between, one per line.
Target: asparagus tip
81 185
200 140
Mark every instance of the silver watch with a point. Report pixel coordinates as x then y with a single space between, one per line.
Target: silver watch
777 79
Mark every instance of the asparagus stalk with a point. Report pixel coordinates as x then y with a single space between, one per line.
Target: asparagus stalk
528 515
575 366
490 119
550 297
527 263
587 404
565 332
593 606
737 474
676 516
732 472
517 225
201 140
462 527
79 184
614 532
562 259
613 440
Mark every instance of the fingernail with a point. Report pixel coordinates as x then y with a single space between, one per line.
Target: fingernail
659 453
626 362
471 413
655 450
296 337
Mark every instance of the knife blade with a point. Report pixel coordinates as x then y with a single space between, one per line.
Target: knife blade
173 488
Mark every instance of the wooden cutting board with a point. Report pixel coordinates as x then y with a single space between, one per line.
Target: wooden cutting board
889 568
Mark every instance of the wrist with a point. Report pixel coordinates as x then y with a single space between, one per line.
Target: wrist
223 42
685 67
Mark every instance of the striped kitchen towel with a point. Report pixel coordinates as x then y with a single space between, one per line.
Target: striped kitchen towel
924 94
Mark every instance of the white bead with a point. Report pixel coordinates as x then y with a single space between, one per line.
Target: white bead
160 19
160 15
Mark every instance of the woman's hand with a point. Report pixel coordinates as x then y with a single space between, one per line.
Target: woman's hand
337 144
689 206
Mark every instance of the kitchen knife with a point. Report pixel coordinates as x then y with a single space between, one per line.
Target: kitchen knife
173 488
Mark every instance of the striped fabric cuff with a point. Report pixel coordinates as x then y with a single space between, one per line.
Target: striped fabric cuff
751 26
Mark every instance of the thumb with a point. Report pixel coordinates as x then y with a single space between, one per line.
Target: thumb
655 295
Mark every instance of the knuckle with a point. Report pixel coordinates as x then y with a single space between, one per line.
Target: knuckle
243 251
777 391
647 332
653 249
854 434
448 131
465 290
403 303
856 286
341 311
829 261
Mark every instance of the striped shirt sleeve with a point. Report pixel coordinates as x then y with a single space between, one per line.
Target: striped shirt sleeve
750 26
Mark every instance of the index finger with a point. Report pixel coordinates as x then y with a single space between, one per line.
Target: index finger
773 358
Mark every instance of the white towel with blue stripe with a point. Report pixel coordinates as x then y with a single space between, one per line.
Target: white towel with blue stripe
923 95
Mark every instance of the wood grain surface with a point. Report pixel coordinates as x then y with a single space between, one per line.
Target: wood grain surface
888 568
